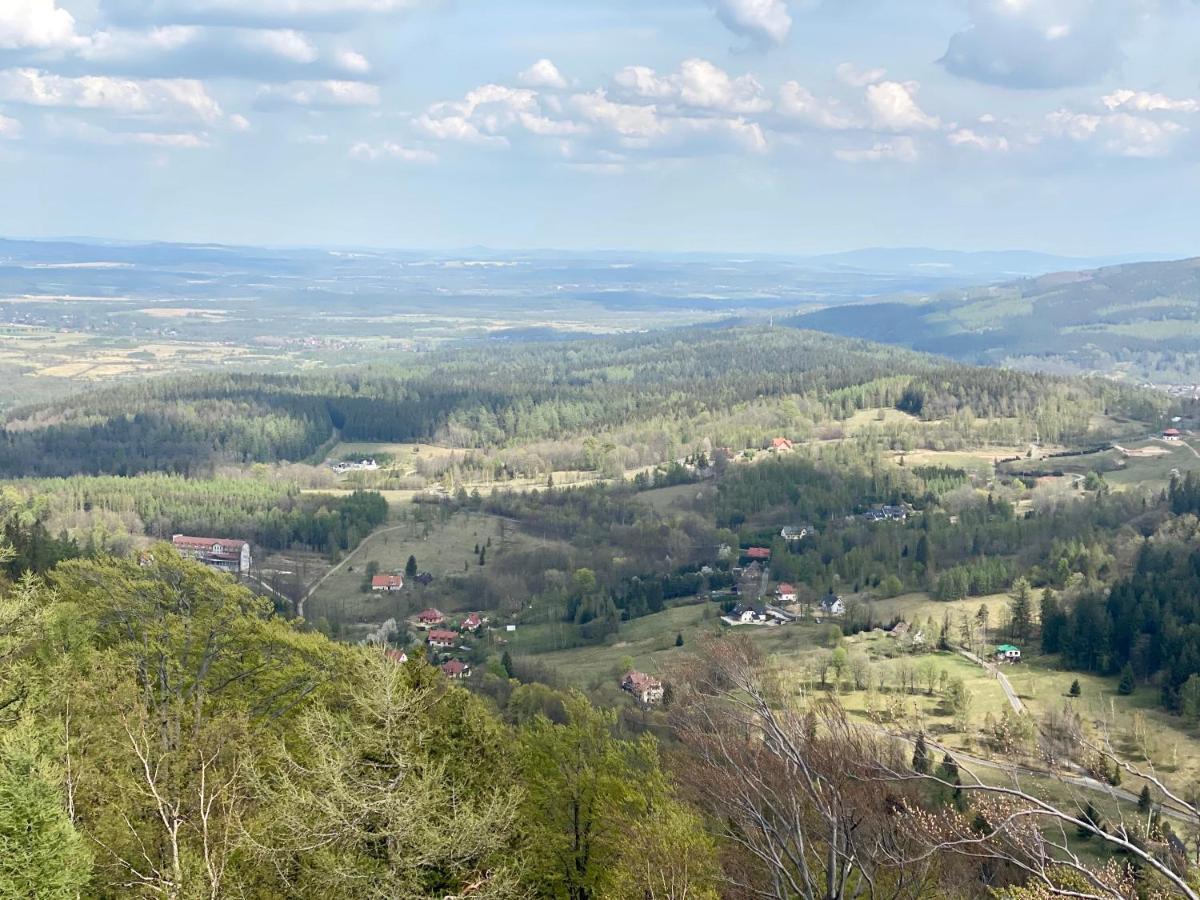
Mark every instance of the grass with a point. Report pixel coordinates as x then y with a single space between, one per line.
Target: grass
676 497
441 548
649 640
918 607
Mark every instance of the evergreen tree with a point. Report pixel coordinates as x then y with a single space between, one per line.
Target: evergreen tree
507 663
1091 823
1128 681
410 567
679 639
1020 609
1145 800
1076 690
920 760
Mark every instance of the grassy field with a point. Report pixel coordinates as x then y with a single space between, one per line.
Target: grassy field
442 548
677 497
650 641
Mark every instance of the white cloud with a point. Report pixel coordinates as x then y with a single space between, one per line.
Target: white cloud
1041 43
766 22
967 137
174 97
353 61
630 120
850 74
543 74
391 150
85 132
893 107
484 114
126 44
239 122
323 13
698 84
902 149
10 129
797 102
1119 133
331 94
35 24
1143 101
283 43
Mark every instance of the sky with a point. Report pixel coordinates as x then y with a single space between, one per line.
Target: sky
747 126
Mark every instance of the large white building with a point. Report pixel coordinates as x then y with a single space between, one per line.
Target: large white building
225 554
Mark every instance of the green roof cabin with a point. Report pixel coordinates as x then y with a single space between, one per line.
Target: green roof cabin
1008 653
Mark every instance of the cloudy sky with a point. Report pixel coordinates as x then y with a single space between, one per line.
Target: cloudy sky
747 125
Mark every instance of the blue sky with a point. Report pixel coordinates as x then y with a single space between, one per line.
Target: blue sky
782 126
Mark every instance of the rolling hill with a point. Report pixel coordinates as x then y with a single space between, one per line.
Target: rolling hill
1140 321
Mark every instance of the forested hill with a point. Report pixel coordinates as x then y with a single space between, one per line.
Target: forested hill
1142 319
728 385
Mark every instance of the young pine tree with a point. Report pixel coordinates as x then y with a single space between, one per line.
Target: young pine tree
920 760
1128 682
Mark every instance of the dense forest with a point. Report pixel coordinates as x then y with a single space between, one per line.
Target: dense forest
647 396
101 513
1147 626
164 734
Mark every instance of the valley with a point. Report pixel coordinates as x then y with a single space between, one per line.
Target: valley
537 519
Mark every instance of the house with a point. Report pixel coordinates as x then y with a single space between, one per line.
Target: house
397 656
362 465
430 617
442 639
387 582
646 688
899 630
781 445
757 553
795 532
226 554
472 622
753 614
886 514
1008 653
832 605
456 669
1172 434
786 593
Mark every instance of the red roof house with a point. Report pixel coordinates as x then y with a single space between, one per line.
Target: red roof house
781 444
758 552
1172 434
439 637
456 669
472 622
786 593
387 582
645 687
431 617
396 656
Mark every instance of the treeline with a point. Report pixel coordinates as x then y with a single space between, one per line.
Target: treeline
730 383
100 512
136 759
957 543
1147 625
163 733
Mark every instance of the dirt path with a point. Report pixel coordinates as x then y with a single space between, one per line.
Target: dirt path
994 670
1016 770
349 556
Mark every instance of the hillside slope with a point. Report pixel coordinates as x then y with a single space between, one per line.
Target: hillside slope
1139 320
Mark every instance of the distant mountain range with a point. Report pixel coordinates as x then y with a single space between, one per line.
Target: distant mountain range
1136 320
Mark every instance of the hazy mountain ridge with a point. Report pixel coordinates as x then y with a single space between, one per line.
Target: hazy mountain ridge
1140 319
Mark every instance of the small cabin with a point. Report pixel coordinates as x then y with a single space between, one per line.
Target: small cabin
1008 653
